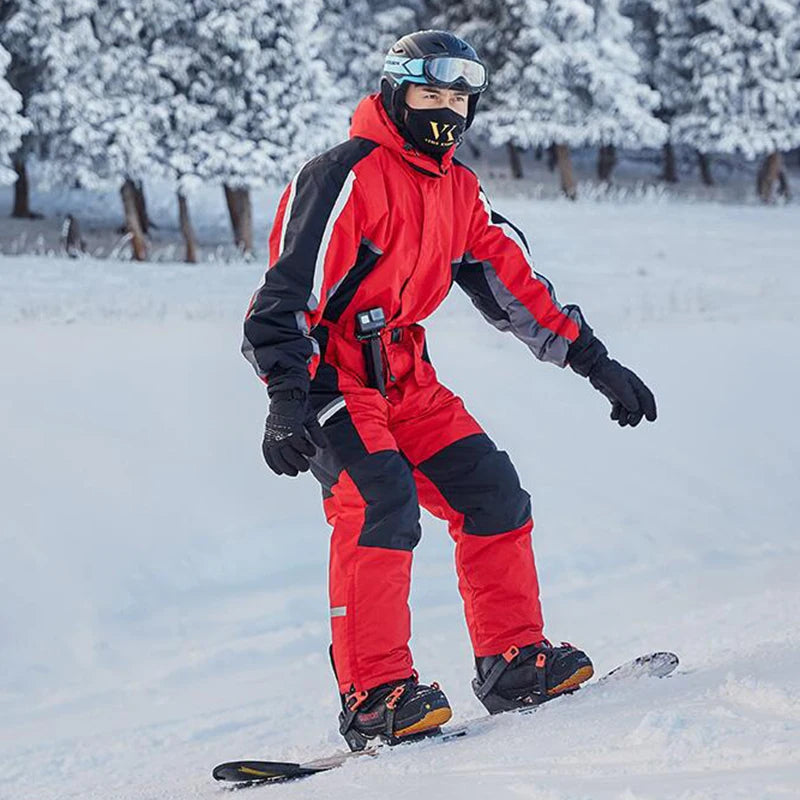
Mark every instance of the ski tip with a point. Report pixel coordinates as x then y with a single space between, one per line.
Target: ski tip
654 665
664 657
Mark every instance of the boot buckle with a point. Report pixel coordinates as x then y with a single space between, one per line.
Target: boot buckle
394 697
511 654
354 700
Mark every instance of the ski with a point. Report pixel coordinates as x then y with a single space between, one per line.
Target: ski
653 665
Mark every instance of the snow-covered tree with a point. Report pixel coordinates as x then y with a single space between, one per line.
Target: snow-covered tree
19 24
102 103
269 88
353 37
102 97
346 42
744 93
251 98
571 78
12 124
663 37
677 27
490 26
646 39
390 21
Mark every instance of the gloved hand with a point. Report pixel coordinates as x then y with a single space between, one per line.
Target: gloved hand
292 432
630 398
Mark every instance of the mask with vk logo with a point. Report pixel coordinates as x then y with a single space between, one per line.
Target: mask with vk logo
434 130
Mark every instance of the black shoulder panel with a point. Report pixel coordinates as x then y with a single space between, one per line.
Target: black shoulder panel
273 333
344 155
317 188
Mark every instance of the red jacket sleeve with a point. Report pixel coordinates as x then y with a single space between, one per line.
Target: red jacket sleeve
313 242
498 275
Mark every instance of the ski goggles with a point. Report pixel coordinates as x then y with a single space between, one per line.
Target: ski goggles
444 71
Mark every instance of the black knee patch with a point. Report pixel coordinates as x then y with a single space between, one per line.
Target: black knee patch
386 483
480 482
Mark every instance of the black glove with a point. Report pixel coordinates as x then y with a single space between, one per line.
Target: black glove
630 398
292 432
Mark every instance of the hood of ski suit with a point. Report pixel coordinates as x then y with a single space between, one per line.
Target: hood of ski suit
370 121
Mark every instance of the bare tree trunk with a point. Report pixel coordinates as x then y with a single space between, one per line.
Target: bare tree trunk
564 162
606 161
783 184
246 220
769 175
552 158
141 207
187 230
474 149
133 223
71 240
539 152
670 172
22 197
234 212
514 160
704 162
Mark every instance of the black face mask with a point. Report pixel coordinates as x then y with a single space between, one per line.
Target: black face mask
434 130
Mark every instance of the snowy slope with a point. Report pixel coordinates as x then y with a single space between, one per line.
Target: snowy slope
162 596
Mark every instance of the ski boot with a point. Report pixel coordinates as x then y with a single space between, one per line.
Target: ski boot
528 676
393 712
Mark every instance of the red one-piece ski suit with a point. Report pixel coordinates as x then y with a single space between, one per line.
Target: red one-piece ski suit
369 223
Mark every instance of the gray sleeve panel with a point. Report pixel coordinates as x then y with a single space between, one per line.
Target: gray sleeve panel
506 313
543 343
501 307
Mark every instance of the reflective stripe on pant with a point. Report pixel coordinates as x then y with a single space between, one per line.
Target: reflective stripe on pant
374 512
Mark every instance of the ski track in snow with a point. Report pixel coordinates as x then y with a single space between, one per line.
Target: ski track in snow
163 595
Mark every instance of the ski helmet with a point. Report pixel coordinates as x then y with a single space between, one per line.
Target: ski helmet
433 58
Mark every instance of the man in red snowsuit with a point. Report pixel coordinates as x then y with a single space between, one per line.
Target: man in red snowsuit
368 240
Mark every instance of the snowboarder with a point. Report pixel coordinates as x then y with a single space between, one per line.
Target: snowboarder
367 241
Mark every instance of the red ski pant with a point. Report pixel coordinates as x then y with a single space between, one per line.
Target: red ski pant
384 458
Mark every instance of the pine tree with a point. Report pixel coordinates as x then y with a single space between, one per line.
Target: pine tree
647 40
251 98
353 37
745 82
21 22
678 25
571 78
347 39
12 124
102 103
269 88
98 107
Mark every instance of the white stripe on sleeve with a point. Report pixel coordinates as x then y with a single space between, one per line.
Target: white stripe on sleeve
287 212
319 268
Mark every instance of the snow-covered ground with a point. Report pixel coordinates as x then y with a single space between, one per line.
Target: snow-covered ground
162 595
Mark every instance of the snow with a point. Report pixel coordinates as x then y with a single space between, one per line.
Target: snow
163 595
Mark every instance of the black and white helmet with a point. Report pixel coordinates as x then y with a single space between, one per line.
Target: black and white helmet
432 58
